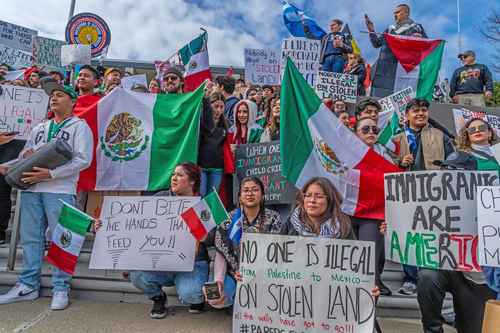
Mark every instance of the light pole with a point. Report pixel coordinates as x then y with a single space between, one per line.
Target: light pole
458 28
71 9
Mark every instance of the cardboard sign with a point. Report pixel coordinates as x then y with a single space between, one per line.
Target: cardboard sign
47 51
263 160
262 66
303 284
432 218
337 86
397 101
72 54
304 53
461 116
488 224
144 233
21 109
17 37
15 58
129 81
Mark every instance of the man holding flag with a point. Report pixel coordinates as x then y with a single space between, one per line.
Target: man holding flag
41 204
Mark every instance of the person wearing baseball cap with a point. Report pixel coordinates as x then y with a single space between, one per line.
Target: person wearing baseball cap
112 76
41 203
173 79
472 83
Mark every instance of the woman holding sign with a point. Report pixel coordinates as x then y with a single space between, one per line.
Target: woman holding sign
250 216
185 182
469 289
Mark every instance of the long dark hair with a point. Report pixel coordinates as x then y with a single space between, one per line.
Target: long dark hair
262 210
333 209
214 97
194 173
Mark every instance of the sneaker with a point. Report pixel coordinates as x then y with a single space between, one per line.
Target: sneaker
408 288
196 308
159 310
384 290
19 293
60 300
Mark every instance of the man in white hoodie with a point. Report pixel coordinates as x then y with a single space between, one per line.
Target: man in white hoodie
41 202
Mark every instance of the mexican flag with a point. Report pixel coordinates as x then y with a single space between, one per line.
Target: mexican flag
194 57
388 122
419 61
205 215
68 238
142 137
314 142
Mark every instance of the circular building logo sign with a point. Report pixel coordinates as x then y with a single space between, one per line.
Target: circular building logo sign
89 29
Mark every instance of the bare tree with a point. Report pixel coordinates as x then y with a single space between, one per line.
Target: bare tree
492 33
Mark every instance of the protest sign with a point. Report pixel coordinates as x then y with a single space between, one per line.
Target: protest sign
304 53
263 160
262 66
488 225
17 37
496 151
21 109
129 81
47 51
302 284
432 218
13 75
337 86
15 58
72 54
461 116
144 233
397 101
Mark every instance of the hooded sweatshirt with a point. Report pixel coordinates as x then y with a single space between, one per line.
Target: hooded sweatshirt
254 131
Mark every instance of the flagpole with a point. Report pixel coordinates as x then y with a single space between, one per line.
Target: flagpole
458 28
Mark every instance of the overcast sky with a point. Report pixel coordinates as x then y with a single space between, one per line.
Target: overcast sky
153 30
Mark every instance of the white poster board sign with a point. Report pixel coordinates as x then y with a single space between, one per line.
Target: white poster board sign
302 284
488 224
432 218
129 81
73 54
397 101
14 57
17 37
21 109
337 86
144 233
262 66
304 53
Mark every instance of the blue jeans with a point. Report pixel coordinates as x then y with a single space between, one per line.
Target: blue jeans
333 63
229 290
188 284
39 210
410 273
210 179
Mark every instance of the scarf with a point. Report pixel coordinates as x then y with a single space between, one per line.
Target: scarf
326 229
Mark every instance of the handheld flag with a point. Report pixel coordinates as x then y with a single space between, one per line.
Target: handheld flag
235 229
68 238
295 19
354 44
208 213
194 57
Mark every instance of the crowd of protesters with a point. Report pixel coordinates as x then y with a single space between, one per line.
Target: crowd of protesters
237 113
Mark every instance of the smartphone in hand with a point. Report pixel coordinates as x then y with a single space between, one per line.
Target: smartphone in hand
212 290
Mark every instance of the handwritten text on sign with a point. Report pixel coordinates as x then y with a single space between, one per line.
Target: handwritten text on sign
144 233
305 55
488 220
15 58
431 217
262 66
337 86
302 284
21 109
16 36
263 160
47 51
397 101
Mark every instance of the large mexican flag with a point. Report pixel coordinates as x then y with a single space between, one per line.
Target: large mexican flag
314 142
142 137
419 62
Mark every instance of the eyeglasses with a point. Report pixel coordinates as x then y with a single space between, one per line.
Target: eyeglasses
171 78
250 190
366 129
481 128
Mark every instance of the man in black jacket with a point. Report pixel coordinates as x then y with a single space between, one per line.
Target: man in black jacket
471 83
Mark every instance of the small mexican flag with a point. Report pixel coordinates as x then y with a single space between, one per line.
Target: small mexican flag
194 57
388 122
419 61
314 142
205 215
68 238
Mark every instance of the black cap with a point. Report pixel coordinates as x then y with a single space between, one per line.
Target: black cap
467 53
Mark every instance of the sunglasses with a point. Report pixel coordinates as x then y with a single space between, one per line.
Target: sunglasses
481 128
367 129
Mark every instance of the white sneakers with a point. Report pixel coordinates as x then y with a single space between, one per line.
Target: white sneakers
19 293
60 300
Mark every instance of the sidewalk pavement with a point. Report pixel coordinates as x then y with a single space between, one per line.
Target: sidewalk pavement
86 316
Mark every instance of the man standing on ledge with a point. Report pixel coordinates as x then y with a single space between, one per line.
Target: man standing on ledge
386 65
